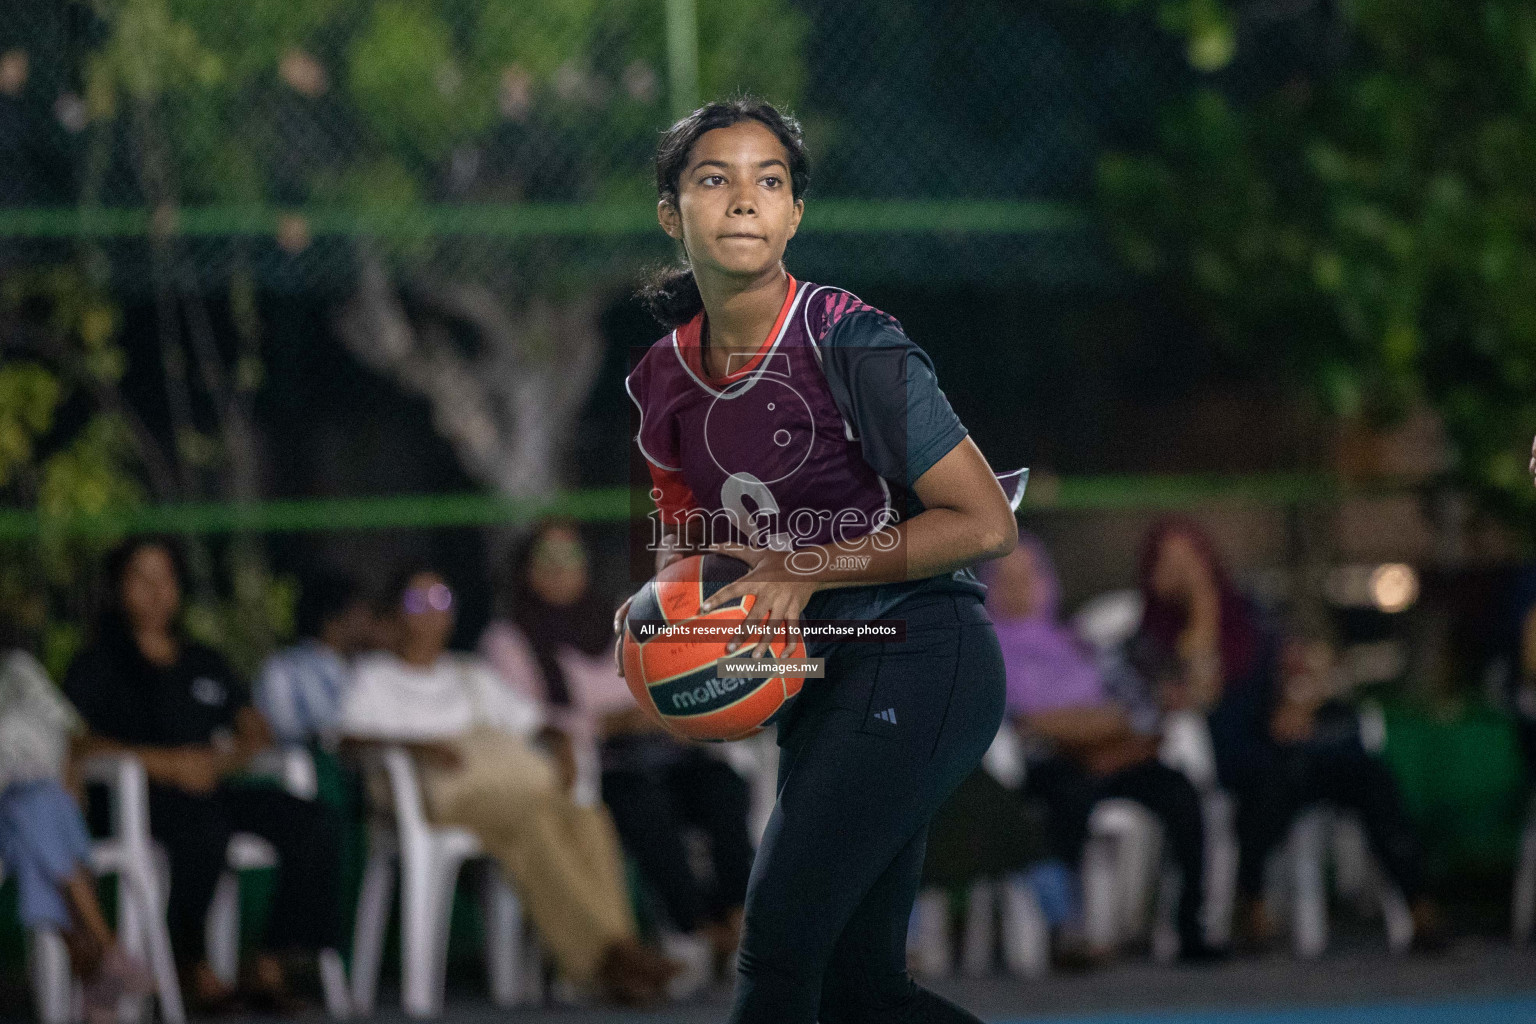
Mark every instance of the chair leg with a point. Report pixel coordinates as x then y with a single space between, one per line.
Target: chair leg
1397 918
1165 933
1026 932
368 931
1355 879
1309 894
222 930
1142 853
1523 913
1101 899
503 938
417 937
978 942
1220 868
427 898
333 985
928 934
53 988
143 931
446 877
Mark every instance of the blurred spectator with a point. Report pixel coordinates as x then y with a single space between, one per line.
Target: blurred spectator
1205 644
143 687
300 688
985 833
473 737
43 840
1101 747
554 643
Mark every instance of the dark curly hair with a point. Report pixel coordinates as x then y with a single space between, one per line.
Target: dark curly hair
671 293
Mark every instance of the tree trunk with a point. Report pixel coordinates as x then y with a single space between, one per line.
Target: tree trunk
508 400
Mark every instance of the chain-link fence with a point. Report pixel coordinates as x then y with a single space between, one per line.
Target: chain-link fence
954 140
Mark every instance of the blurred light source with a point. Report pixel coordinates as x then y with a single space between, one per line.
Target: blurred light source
1394 587
70 109
303 73
15 65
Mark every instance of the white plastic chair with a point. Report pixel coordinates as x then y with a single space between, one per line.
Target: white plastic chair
1024 936
1121 862
1124 859
53 996
429 860
1307 852
295 768
1322 830
132 851
141 927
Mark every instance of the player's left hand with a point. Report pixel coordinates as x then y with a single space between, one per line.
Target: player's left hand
779 592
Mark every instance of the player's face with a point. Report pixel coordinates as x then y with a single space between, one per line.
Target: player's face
735 209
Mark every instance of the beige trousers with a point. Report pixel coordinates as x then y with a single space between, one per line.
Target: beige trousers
563 858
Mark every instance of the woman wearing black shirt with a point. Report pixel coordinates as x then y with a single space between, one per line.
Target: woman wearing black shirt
145 689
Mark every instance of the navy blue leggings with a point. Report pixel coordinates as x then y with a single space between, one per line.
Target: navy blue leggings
868 755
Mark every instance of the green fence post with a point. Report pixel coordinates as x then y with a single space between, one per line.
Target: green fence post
683 55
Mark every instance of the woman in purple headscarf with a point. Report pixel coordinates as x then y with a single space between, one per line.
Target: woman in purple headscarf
1101 745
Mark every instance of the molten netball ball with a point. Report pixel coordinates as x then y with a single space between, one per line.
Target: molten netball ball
673 677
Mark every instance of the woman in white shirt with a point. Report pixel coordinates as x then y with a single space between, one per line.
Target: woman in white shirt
474 739
553 642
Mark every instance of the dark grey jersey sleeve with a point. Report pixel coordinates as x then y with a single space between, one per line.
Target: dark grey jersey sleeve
886 389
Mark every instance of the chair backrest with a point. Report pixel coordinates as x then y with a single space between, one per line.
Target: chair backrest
404 789
1187 746
1110 619
128 787
293 766
1004 759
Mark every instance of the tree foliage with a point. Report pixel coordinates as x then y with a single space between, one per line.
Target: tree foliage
1370 227
370 105
74 447
385 105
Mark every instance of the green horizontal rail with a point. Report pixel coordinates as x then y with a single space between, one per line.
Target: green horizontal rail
1172 492
829 216
614 504
318 515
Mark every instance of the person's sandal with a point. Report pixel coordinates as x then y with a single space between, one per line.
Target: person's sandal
621 982
203 1002
1430 934
274 997
117 975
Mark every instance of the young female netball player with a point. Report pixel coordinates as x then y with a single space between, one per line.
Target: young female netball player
868 500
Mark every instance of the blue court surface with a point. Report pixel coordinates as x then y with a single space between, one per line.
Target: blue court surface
1516 1010
1479 981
